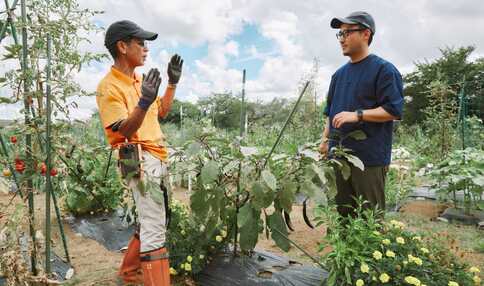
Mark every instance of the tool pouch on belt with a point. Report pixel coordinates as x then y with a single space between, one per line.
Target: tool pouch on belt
130 161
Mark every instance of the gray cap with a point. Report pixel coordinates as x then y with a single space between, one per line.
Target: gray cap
355 18
124 29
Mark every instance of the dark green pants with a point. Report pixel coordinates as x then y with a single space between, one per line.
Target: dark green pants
368 184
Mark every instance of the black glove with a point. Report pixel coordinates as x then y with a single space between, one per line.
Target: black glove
174 69
149 88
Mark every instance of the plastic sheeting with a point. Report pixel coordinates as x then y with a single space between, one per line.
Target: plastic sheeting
107 229
261 268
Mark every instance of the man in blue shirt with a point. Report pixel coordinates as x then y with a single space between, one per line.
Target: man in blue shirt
364 94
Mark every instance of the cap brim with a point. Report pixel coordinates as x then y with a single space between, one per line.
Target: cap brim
337 22
145 35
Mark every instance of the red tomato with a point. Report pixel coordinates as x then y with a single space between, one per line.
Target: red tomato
43 169
53 172
13 139
20 166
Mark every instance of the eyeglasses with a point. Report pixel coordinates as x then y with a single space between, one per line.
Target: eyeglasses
343 34
141 43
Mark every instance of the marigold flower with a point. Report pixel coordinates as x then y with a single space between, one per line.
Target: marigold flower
384 278
218 238
477 280
424 250
223 233
189 258
173 271
390 253
412 281
359 282
364 268
400 240
474 269
377 255
452 283
188 267
386 241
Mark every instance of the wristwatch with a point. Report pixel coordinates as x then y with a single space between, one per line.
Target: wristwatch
359 113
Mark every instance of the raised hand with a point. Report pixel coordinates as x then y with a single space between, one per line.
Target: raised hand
175 69
149 88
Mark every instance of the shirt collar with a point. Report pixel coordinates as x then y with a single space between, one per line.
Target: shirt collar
124 78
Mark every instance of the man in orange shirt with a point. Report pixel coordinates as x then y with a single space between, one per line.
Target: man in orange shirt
129 108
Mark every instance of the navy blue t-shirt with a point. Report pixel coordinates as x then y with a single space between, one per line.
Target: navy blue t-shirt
367 84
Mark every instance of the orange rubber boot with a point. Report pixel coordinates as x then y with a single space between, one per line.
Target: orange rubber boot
130 270
156 268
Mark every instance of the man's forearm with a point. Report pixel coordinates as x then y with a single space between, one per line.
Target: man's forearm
377 115
166 101
130 125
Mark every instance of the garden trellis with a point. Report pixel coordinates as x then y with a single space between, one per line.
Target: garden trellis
28 115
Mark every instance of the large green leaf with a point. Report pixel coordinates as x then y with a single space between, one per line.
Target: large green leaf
355 161
309 188
287 196
262 195
269 179
193 149
249 234
210 172
198 203
357 135
276 222
345 169
245 215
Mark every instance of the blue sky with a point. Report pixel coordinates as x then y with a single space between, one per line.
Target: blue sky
276 41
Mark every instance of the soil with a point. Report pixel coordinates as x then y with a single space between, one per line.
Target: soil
94 265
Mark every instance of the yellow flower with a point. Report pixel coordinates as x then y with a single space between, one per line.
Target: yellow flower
202 256
474 269
218 238
397 224
223 233
183 232
189 258
452 283
477 280
364 268
386 241
412 281
377 255
188 267
182 266
417 238
390 253
400 240
415 260
173 271
384 278
359 282
424 250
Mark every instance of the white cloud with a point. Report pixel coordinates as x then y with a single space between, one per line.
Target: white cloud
407 31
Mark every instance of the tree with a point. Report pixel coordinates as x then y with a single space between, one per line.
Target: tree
452 68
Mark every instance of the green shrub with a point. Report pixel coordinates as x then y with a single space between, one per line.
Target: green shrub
367 251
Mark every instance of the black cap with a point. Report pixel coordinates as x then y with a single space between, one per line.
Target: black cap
124 29
355 18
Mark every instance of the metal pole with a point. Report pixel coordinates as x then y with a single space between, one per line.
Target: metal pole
61 226
285 124
237 197
242 107
48 190
28 137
